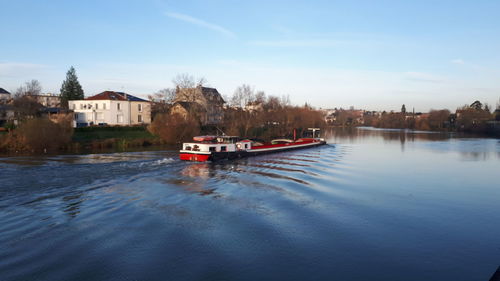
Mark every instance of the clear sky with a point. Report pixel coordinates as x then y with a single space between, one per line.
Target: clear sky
367 54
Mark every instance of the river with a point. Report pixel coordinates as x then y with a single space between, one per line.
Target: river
370 205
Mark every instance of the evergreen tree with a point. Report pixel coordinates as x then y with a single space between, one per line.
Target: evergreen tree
71 88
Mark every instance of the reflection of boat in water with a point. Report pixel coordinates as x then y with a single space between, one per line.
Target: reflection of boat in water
212 148
199 170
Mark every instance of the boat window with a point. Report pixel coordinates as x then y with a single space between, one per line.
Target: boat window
211 148
196 148
187 147
246 145
223 148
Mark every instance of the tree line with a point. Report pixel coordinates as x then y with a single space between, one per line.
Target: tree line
248 113
32 130
473 118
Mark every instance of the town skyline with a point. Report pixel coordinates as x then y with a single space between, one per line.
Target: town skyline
374 57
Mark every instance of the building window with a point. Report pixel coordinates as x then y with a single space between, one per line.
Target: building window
118 106
139 107
119 118
103 106
139 118
81 105
74 106
211 148
96 106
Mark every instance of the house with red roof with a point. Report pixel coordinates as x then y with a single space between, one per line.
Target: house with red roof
111 108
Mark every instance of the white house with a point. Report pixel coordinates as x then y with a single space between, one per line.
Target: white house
111 108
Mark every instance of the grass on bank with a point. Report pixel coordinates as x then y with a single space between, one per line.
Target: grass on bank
113 137
88 134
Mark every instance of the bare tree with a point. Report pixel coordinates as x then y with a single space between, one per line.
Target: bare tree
166 95
173 128
33 87
161 101
285 100
243 95
186 87
30 88
273 103
437 118
260 97
186 80
201 81
24 104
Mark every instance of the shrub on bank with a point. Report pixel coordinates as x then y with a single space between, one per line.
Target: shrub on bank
174 128
38 135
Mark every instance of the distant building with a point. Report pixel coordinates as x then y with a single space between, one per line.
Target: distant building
496 114
111 108
209 99
57 114
4 95
7 113
255 106
47 100
186 108
347 116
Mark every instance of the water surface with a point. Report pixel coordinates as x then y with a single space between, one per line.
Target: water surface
373 205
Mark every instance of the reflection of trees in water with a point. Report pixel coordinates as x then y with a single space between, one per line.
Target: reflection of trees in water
483 152
476 155
353 134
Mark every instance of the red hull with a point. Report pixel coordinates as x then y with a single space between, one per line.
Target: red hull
194 157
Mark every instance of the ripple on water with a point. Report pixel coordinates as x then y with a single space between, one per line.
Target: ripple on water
143 216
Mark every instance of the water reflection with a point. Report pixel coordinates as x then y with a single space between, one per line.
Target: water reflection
394 195
470 147
359 134
280 168
198 170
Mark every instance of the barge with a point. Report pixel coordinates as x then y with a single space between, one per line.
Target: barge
213 148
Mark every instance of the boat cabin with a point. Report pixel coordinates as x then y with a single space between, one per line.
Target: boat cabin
217 144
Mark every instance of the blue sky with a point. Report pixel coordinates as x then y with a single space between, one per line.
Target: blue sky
369 54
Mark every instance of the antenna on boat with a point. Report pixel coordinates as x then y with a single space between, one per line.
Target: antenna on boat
217 128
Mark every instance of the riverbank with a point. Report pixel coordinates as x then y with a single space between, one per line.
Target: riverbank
114 137
99 140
